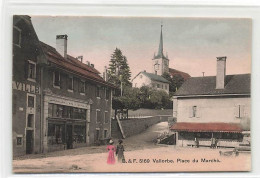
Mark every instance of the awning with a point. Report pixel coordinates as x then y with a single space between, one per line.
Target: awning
206 127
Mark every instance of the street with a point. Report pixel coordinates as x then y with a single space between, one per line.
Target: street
141 154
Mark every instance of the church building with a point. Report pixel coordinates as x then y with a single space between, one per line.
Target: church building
160 65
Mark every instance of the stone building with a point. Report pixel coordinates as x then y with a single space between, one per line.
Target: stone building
213 107
58 101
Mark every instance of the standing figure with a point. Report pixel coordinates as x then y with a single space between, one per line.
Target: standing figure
120 151
196 142
111 150
213 142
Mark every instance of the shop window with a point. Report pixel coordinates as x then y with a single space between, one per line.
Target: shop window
70 84
105 134
79 135
17 36
30 120
31 71
30 101
98 119
106 117
82 87
56 133
56 79
19 140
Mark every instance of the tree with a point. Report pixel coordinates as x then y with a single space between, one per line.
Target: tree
119 70
175 82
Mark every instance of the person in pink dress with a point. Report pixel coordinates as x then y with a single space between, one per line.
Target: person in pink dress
111 153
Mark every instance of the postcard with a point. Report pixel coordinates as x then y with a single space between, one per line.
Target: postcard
131 94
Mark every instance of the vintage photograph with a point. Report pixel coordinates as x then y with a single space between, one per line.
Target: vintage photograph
131 94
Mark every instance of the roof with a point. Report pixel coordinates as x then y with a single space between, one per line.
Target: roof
234 84
74 65
206 127
174 72
155 77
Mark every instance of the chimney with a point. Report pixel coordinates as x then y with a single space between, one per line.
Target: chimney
144 70
88 63
105 74
92 65
221 72
61 45
80 58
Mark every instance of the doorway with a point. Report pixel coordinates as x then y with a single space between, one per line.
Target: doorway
69 137
29 141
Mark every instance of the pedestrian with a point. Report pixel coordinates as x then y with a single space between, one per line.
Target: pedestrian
111 150
120 151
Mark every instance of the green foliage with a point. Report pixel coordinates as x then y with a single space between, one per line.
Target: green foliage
119 70
175 82
145 97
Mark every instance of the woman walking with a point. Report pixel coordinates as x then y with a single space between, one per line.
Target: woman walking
111 150
120 151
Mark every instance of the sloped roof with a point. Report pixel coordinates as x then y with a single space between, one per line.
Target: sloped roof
206 127
73 65
155 77
234 84
174 72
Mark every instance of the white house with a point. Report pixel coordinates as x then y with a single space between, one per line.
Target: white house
154 81
215 106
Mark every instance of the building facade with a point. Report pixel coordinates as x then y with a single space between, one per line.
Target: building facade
213 107
58 101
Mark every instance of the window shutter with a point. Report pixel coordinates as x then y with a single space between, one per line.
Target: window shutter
198 112
242 111
190 111
236 111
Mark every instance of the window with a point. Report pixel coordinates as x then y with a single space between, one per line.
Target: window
106 117
158 85
56 79
194 111
153 85
30 119
55 110
98 119
30 101
70 84
79 134
166 87
105 134
56 133
98 92
239 111
19 140
31 71
82 87
107 93
17 36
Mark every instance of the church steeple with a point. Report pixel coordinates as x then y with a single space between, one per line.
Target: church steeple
160 50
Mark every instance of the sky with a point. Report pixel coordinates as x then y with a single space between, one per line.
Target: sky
192 44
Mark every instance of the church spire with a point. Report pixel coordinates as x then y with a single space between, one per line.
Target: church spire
160 50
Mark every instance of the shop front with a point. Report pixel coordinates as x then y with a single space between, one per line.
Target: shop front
222 134
67 123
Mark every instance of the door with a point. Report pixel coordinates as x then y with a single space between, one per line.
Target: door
29 142
69 137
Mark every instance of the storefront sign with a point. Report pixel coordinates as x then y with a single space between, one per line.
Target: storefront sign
66 102
26 87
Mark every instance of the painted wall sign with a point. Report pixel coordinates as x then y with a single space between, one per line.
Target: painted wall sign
66 102
26 87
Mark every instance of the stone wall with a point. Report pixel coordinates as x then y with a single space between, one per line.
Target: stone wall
135 125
